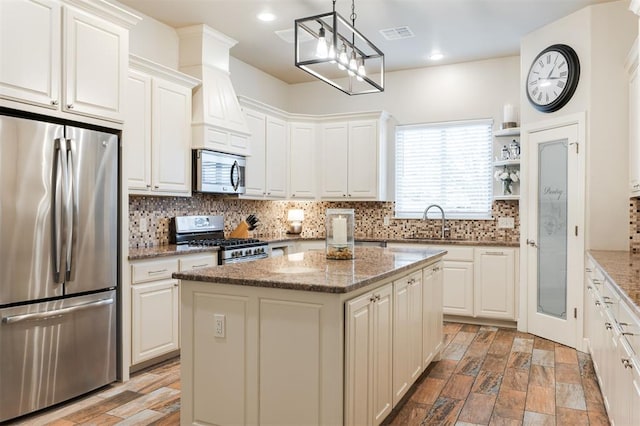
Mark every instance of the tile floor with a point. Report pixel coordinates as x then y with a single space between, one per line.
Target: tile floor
487 376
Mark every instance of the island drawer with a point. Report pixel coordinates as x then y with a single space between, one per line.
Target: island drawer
153 270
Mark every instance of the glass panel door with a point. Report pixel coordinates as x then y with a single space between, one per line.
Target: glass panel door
552 228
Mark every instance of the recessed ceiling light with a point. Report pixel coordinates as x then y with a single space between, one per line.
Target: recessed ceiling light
266 16
436 56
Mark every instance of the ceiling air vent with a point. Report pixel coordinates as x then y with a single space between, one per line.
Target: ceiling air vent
397 33
289 35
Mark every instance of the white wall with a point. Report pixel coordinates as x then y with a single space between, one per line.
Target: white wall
253 83
441 93
601 36
155 41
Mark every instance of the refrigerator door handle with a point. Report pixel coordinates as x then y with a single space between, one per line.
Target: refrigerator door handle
55 313
71 206
57 197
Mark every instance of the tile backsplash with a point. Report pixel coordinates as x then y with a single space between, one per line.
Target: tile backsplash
369 217
634 225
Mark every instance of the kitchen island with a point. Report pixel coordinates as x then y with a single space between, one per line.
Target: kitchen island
302 339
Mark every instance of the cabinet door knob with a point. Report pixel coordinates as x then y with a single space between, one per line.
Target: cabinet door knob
54 102
344 195
372 298
69 106
293 195
156 186
626 363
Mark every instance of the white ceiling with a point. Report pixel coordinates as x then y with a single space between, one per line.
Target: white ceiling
463 30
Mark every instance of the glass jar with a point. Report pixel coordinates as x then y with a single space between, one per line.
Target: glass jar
504 153
514 150
340 224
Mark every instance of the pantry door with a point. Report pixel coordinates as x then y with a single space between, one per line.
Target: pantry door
554 237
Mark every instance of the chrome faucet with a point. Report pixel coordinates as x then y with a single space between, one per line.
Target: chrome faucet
443 228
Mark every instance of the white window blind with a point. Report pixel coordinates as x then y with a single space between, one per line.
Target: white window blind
447 164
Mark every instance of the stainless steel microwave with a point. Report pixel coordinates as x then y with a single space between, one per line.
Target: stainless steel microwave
217 172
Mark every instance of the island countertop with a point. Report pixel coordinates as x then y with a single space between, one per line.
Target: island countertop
312 271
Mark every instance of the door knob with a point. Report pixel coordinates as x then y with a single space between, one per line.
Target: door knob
532 243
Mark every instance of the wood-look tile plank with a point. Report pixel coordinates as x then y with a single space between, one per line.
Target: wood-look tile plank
59 412
510 404
570 395
428 390
565 355
515 379
500 347
458 387
593 395
568 373
532 418
544 344
103 420
454 351
503 421
485 336
597 418
487 382
168 405
479 349
444 411
143 402
543 357
443 369
542 376
470 328
519 361
171 419
568 416
141 418
496 363
478 408
162 381
469 365
522 345
85 414
541 399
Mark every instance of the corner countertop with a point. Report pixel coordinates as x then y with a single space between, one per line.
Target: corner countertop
412 240
174 250
623 269
166 250
312 271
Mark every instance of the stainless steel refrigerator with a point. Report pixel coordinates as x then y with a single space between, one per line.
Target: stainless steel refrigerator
58 262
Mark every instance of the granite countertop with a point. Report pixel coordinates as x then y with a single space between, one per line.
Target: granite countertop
435 241
312 271
623 269
174 250
166 250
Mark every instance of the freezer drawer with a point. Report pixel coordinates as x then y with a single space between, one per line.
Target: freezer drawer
54 351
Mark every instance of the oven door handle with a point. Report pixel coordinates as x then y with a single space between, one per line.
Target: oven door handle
235 183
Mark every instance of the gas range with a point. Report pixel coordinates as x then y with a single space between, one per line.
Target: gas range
208 231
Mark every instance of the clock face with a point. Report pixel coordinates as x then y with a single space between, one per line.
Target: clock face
553 78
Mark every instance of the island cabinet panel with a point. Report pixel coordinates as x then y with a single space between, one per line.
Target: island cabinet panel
432 313
407 333
368 357
297 399
216 360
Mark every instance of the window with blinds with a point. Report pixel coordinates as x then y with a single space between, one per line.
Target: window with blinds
448 164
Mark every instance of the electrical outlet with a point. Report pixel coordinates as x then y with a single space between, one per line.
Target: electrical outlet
143 224
387 220
506 223
219 330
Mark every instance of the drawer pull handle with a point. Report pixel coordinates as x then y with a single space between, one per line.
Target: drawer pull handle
176 284
597 303
588 270
159 271
627 363
608 326
495 253
626 333
624 324
204 265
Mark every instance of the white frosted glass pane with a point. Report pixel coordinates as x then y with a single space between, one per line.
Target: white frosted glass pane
552 228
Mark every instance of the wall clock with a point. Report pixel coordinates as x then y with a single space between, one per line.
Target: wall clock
553 78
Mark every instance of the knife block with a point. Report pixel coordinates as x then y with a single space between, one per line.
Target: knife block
241 231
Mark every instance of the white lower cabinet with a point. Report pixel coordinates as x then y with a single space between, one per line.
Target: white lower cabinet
458 291
432 342
407 333
155 304
368 370
155 319
494 283
611 329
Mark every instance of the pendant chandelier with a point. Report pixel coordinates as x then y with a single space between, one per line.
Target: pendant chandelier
330 48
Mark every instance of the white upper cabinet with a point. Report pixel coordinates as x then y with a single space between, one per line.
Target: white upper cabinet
35 77
353 159
59 57
266 170
157 130
302 160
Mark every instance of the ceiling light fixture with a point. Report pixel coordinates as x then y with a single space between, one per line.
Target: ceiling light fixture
357 68
436 56
266 16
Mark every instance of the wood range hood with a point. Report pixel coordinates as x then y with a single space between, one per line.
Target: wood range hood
217 116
